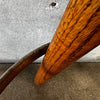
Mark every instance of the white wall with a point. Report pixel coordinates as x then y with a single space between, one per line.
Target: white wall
27 24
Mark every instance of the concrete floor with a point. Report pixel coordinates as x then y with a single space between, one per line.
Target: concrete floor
27 24
80 81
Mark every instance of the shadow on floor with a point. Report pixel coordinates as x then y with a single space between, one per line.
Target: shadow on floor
80 81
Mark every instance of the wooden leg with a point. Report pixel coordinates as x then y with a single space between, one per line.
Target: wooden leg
77 34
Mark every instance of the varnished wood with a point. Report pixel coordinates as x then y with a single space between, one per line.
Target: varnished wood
77 34
15 69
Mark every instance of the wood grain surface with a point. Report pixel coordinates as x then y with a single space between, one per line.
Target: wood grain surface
77 34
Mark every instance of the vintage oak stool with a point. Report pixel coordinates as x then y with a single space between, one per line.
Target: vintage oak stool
77 34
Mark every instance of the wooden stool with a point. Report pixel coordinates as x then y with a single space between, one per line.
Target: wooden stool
77 34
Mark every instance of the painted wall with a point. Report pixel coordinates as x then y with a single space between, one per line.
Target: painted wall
27 24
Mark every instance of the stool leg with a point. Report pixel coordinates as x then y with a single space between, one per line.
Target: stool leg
77 34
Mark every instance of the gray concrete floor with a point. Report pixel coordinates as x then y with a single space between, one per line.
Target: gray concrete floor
27 24
80 81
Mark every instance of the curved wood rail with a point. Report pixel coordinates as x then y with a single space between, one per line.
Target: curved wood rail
77 34
15 69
